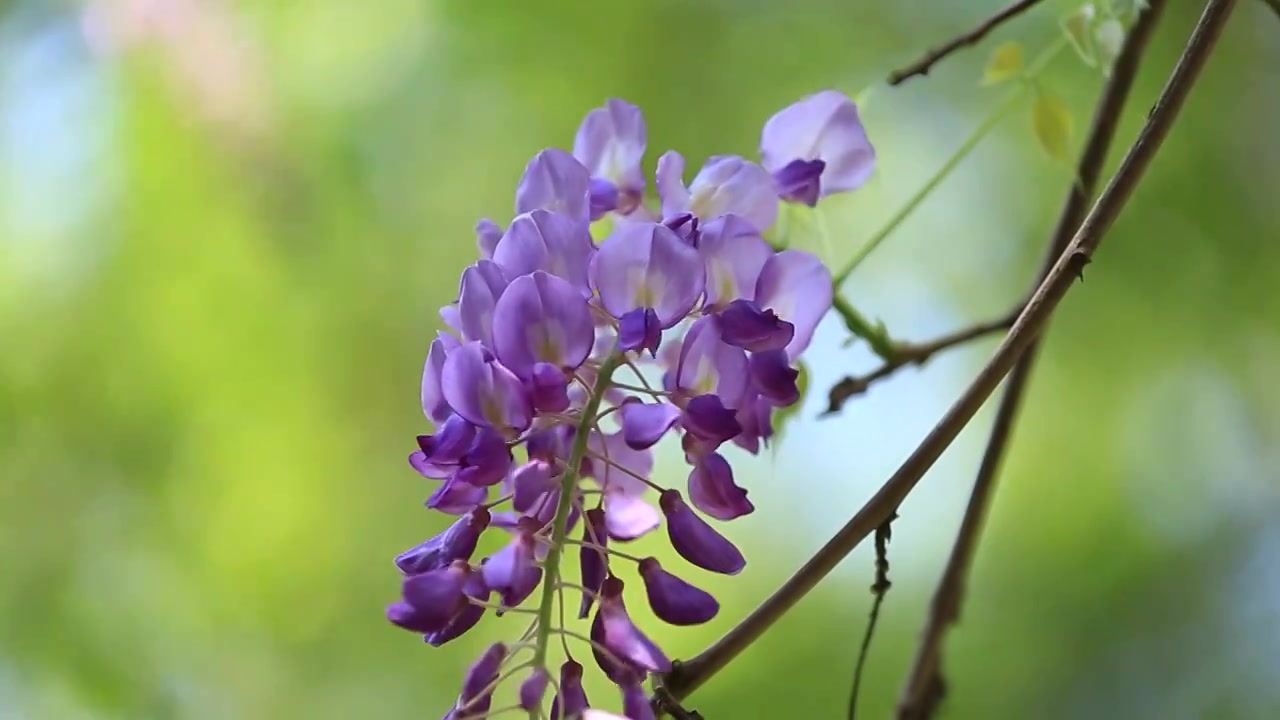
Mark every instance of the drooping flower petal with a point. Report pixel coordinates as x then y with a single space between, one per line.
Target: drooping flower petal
709 366
548 241
553 180
797 287
487 236
713 490
511 572
482 285
734 254
627 514
542 318
593 560
800 181
824 126
530 482
755 414
483 391
456 497
611 144
457 542
433 598
773 377
533 689
549 388
706 418
478 685
743 324
696 541
613 629
635 703
673 600
467 617
487 460
644 424
640 330
433 402
646 265
571 701
725 184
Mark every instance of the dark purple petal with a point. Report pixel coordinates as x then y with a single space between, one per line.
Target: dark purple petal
685 225
533 689
635 703
604 197
646 265
549 388
824 126
743 324
593 561
799 181
734 254
673 600
402 614
797 287
487 460
773 377
611 144
553 180
487 236
450 442
542 318
435 597
640 330
613 629
483 391
696 541
713 491
458 542
482 285
427 469
547 241
710 366
478 685
706 417
467 617
644 424
455 497
511 571
572 699
756 416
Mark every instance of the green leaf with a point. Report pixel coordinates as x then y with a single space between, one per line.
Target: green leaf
1078 27
1051 121
783 416
1006 63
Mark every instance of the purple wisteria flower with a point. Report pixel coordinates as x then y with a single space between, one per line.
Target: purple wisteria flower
564 362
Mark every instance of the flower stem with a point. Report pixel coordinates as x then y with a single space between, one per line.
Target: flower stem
559 527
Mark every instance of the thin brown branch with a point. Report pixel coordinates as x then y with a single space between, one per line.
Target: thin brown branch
879 589
912 354
921 696
688 676
973 37
1274 5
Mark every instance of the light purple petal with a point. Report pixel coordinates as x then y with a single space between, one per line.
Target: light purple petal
543 240
729 184
482 285
484 392
824 126
734 253
710 366
611 144
797 287
433 402
553 180
541 318
487 236
644 424
670 180
646 265
628 517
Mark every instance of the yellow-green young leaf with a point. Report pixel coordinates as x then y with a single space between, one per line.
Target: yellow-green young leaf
1051 121
1006 62
785 415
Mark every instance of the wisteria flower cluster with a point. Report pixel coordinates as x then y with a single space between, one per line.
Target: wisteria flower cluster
532 414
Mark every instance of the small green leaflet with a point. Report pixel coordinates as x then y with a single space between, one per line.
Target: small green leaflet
1006 63
1051 121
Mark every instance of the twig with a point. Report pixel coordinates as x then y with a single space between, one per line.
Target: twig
922 692
1274 5
879 589
666 702
973 37
903 354
691 674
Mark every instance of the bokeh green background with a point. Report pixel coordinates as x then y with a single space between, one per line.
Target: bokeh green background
225 229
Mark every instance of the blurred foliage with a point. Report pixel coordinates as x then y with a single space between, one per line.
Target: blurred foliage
225 229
